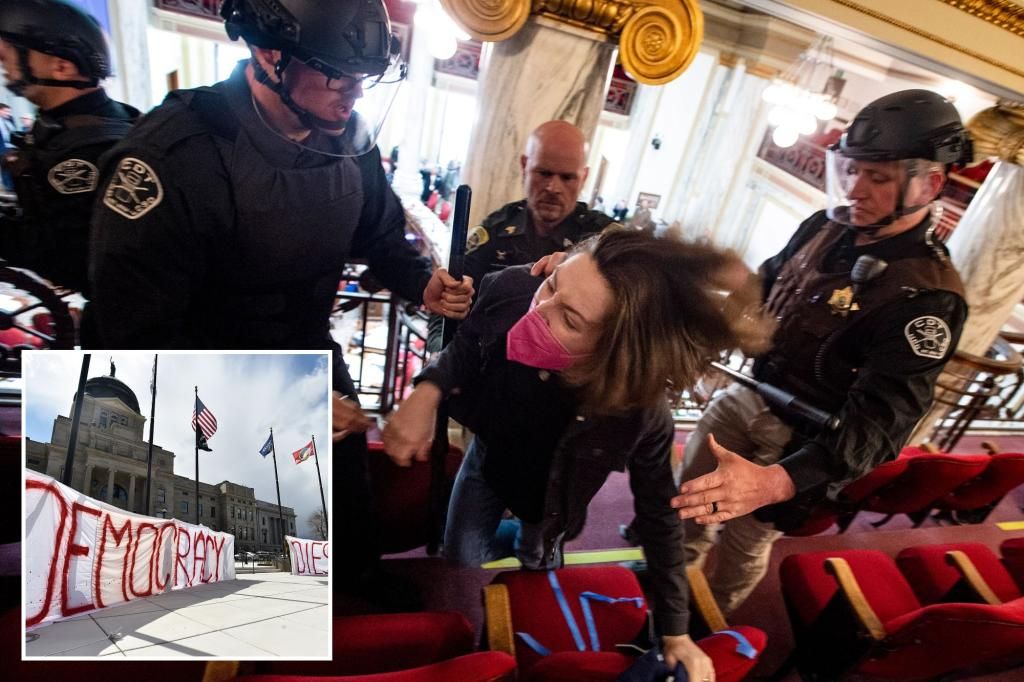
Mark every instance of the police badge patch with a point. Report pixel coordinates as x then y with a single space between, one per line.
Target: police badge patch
477 237
73 176
928 336
134 191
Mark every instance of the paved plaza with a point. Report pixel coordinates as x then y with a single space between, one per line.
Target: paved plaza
257 615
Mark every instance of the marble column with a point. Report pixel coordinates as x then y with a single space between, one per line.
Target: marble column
987 249
87 484
131 492
545 71
110 484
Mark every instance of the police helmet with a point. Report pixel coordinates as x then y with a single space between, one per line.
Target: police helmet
58 28
910 124
331 36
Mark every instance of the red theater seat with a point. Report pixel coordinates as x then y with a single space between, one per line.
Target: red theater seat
1005 471
525 602
938 574
845 509
484 666
927 478
402 498
853 612
393 648
1012 552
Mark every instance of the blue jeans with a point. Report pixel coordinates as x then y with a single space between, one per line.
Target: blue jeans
471 535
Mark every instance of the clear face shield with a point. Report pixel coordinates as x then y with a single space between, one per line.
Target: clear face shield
344 111
868 195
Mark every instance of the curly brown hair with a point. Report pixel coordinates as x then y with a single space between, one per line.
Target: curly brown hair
678 306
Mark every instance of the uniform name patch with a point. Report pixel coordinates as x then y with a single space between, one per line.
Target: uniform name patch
73 176
134 191
928 336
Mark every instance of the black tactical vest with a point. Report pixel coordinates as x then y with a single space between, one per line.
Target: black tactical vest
274 271
803 358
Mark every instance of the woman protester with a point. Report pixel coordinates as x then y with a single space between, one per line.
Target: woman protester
566 379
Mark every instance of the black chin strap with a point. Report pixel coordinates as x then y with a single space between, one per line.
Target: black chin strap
306 118
28 78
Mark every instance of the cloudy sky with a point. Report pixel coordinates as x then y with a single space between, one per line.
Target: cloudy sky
248 394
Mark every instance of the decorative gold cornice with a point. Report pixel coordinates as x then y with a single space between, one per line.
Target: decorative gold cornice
657 39
1007 15
929 36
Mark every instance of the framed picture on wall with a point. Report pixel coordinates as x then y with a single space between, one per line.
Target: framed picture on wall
652 199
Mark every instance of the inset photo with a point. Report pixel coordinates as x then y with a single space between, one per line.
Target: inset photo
176 505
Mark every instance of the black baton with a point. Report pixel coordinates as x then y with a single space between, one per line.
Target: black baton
439 448
783 400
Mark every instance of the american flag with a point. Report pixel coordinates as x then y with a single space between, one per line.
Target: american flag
207 422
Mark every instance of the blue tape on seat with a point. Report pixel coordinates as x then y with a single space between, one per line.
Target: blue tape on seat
588 616
743 645
566 612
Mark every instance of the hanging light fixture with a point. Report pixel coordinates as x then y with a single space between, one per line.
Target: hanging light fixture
804 94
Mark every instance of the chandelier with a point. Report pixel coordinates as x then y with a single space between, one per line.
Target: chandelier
805 93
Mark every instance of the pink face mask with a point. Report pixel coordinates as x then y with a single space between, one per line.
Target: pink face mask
531 343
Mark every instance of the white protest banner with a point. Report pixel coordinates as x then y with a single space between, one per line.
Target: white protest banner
308 557
82 554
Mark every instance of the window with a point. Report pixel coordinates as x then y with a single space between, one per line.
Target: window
232 511
200 508
184 506
161 495
103 420
264 520
213 512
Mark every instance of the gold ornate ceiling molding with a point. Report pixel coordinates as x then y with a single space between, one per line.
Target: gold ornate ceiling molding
1007 15
657 39
930 36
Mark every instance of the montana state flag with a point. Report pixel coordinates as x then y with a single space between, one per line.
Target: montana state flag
303 453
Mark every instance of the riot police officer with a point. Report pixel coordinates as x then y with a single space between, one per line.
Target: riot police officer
869 310
55 55
226 217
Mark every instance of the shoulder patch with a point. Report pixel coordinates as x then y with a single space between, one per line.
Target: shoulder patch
477 237
928 336
74 176
135 189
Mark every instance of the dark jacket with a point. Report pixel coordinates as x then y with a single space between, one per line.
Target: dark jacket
545 456
876 376
212 231
54 171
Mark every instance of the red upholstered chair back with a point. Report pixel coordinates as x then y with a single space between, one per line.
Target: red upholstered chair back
942 638
1005 471
928 477
535 609
933 578
1012 552
881 475
808 588
402 498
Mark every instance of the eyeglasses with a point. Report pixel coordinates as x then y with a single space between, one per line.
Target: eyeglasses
339 81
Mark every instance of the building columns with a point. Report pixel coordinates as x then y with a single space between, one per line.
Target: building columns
110 484
87 484
546 71
131 492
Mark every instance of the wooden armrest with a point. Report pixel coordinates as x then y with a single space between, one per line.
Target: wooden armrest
970 574
991 447
930 448
498 610
220 671
700 592
855 596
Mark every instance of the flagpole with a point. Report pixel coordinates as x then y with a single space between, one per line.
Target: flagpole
152 421
280 514
320 481
76 418
199 430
